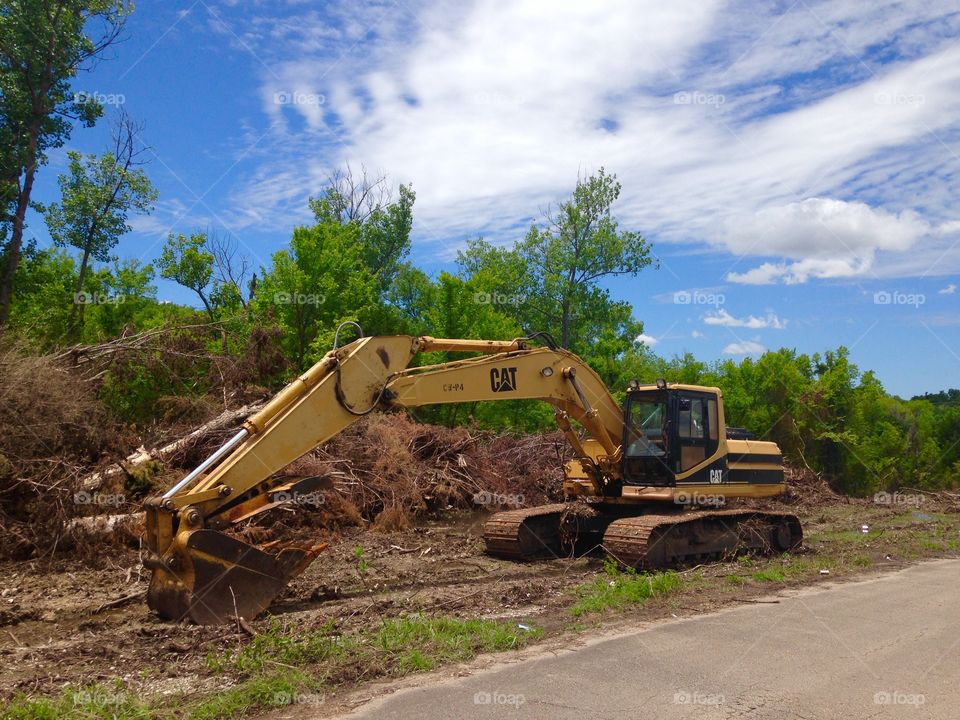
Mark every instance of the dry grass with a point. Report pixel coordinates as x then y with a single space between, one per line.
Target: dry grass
53 427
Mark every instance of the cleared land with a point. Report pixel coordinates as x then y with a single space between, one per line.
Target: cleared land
382 605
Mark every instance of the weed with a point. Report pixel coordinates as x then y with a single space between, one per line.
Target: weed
771 574
79 702
277 689
273 647
617 588
421 643
362 565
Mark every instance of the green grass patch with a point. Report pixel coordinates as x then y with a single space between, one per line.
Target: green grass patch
275 648
284 665
76 702
420 643
276 689
770 574
616 588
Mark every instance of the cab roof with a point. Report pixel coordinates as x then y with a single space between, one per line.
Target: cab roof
680 386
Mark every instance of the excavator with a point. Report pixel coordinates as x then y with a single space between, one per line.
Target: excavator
646 483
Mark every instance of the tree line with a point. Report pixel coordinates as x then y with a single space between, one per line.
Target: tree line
257 326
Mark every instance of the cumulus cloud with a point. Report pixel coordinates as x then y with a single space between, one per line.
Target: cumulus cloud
647 340
724 319
948 290
826 238
744 347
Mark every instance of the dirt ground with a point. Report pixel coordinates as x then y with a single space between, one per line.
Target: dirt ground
68 623
55 627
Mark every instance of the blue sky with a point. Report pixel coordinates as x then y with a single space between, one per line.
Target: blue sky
795 164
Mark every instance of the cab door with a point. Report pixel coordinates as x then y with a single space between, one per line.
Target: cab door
646 439
695 430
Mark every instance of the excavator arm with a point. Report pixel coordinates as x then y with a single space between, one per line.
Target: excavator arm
207 576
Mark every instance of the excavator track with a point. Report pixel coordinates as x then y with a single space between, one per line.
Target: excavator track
658 541
526 533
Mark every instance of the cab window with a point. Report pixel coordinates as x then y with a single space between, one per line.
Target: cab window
690 423
646 427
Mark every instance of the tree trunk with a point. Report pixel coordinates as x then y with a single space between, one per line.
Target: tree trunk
226 419
98 528
74 324
16 236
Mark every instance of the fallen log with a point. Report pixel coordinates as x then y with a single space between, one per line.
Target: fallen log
226 419
129 526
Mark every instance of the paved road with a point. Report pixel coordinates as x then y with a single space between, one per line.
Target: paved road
882 648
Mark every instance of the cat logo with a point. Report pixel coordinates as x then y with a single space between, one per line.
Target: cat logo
716 476
503 379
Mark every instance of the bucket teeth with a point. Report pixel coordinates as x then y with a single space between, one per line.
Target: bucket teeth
214 578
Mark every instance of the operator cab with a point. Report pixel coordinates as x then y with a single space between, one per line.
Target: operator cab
670 431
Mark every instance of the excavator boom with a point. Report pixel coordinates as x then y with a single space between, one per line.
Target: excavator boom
204 575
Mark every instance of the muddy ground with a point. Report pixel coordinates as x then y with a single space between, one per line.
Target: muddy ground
73 622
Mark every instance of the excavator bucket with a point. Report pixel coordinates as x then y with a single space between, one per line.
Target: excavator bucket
212 578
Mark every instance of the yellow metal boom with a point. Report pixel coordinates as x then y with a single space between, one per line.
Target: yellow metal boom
207 576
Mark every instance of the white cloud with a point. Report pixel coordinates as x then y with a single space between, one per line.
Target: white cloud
744 347
948 290
696 335
825 238
724 319
647 340
492 111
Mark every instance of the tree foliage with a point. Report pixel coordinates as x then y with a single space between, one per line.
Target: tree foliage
554 273
98 193
352 263
43 44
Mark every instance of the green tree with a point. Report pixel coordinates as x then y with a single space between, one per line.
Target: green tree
43 43
557 269
385 223
98 194
188 262
46 282
318 283
128 286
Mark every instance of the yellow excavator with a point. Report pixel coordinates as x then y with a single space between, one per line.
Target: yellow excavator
644 484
